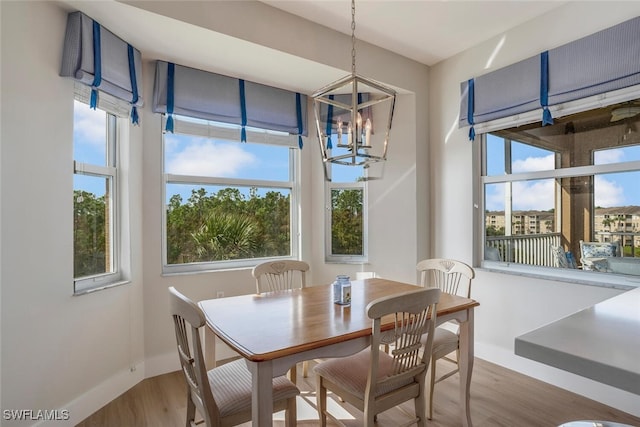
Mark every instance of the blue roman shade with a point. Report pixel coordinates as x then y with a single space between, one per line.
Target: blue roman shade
602 62
201 94
94 56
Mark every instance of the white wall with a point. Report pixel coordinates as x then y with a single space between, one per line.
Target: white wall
510 305
58 351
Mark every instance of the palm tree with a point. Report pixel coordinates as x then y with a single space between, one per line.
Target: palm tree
607 223
225 236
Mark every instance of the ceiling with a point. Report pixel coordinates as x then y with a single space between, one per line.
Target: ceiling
427 31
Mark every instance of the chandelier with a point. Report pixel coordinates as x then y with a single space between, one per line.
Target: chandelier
344 114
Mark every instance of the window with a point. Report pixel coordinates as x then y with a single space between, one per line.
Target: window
228 204
95 195
346 218
546 189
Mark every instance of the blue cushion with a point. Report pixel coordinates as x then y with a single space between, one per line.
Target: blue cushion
598 250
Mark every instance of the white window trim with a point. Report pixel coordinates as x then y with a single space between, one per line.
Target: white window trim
97 282
232 133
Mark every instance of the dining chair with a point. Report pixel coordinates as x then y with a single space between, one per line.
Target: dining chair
279 276
453 277
374 381
221 395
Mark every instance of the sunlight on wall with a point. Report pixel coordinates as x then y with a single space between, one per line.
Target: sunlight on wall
392 187
452 129
495 52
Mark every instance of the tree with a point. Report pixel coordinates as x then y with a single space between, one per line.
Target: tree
89 238
228 225
607 222
492 230
346 222
225 236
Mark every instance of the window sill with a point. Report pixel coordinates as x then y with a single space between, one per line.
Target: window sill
101 288
589 278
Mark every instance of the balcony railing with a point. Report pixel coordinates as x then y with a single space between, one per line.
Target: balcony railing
629 242
536 249
531 249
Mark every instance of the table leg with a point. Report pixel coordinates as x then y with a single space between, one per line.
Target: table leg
466 366
209 348
262 399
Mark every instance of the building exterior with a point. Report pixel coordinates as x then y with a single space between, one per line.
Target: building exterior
609 224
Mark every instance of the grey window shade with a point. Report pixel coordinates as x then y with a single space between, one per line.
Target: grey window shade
504 92
78 59
210 96
602 62
106 102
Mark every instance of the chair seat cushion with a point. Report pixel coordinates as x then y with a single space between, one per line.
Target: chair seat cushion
352 372
231 387
444 342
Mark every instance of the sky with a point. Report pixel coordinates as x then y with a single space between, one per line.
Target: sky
611 190
193 155
190 155
89 146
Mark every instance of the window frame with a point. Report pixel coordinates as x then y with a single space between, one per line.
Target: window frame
111 172
221 131
340 258
480 179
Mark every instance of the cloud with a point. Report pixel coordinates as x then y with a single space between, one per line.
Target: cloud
531 164
89 126
495 197
533 195
608 193
604 157
204 157
539 195
526 195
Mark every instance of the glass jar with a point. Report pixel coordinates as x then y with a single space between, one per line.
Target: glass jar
342 290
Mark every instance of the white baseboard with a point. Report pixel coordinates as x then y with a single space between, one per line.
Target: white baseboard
94 399
103 393
611 396
161 364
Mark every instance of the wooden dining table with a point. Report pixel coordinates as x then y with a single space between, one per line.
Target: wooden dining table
274 331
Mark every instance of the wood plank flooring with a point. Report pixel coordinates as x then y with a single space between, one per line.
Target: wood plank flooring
499 398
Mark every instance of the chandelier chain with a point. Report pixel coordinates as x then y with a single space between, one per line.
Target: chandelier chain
353 37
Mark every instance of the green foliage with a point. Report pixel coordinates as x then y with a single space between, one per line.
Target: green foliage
346 222
227 225
225 236
492 230
89 234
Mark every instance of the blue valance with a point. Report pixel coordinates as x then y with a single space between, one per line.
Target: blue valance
209 96
96 57
602 62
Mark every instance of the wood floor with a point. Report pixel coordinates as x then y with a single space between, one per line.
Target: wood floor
499 397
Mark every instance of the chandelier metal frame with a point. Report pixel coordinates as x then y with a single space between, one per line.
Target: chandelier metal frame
358 148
